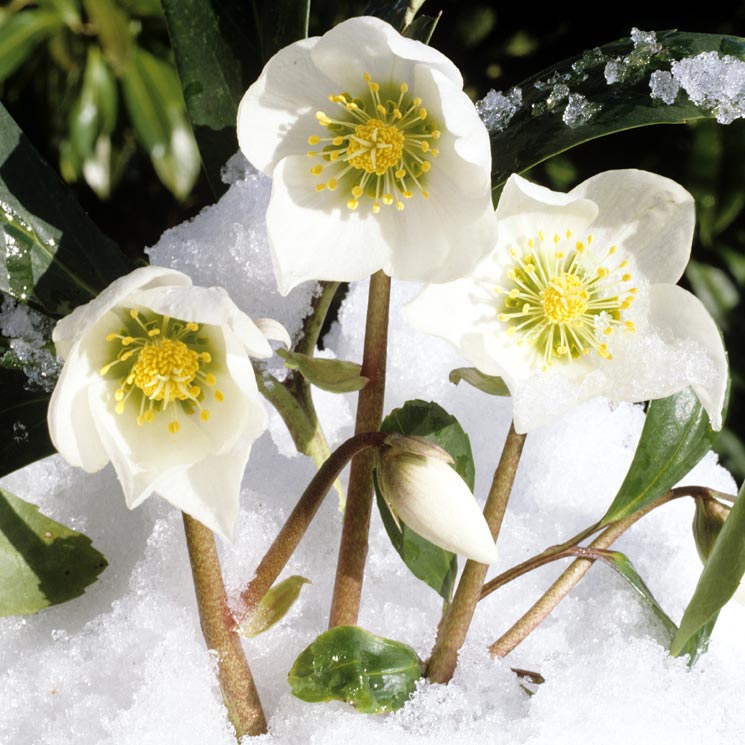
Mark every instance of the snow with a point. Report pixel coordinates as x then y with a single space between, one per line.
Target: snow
126 664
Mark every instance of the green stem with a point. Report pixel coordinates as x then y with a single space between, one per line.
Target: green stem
455 624
314 321
297 523
345 603
236 683
574 573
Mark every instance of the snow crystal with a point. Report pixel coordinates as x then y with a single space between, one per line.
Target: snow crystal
28 334
579 110
630 68
125 663
664 86
496 109
715 83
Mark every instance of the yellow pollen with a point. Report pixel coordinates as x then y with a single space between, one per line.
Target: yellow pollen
204 415
210 379
164 369
314 140
565 298
174 427
375 147
219 396
317 170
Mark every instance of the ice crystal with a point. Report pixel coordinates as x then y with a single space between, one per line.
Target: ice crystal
496 109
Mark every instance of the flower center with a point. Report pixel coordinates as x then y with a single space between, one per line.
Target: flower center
162 365
378 147
563 301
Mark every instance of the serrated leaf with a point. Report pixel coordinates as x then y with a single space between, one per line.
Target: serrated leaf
719 580
676 435
273 606
156 107
536 131
431 564
349 664
51 254
491 384
336 376
21 33
42 562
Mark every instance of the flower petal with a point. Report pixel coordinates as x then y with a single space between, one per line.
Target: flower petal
678 312
72 327
273 331
651 216
369 45
318 241
277 113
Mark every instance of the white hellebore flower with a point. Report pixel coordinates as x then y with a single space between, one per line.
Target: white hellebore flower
427 494
378 159
578 299
157 379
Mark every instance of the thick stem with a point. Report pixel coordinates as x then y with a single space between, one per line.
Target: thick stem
454 627
297 523
573 574
236 683
345 604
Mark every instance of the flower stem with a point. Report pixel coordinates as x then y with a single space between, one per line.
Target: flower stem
574 573
236 683
455 624
297 523
345 603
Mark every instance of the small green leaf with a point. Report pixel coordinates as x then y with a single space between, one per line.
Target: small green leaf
490 384
347 663
719 580
714 289
676 435
156 107
336 376
273 606
537 129
51 254
429 563
113 28
42 563
21 33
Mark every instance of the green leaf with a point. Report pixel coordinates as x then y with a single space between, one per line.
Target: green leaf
42 563
719 580
676 435
51 254
490 384
536 130
273 606
21 33
336 376
156 107
621 563
347 663
431 564
714 289
220 48
113 28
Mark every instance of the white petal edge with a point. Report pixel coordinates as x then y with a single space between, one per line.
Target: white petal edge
651 216
677 311
273 331
72 327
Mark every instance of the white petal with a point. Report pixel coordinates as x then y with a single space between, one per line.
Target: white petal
651 216
71 425
72 327
273 331
678 312
525 208
209 490
314 236
368 45
205 305
277 113
434 501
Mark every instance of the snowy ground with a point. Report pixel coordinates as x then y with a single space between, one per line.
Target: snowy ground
126 665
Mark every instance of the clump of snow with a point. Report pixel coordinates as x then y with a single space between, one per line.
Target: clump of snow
713 82
496 109
28 335
559 93
125 664
631 67
664 86
579 110
227 245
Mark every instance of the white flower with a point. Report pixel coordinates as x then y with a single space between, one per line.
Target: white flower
578 299
427 494
378 159
157 379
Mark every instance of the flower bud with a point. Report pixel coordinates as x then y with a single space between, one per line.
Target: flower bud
427 494
707 524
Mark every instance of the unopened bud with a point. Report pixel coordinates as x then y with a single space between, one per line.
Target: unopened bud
427 494
707 524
